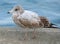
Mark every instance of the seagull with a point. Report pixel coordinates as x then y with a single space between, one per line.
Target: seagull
28 19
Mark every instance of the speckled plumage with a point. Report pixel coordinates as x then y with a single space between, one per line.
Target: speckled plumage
28 19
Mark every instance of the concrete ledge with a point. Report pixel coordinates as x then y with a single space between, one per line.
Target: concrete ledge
16 35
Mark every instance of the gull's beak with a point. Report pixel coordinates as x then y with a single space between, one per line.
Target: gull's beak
8 12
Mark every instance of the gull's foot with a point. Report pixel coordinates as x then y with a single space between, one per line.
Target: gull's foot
26 38
34 37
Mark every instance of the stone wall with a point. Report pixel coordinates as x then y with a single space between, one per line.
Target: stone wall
15 36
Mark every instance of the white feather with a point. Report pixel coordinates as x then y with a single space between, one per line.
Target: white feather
29 15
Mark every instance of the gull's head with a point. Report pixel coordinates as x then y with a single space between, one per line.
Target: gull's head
16 10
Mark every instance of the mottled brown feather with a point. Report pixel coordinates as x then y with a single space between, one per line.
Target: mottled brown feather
32 24
45 21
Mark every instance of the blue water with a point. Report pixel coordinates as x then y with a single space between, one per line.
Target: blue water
47 8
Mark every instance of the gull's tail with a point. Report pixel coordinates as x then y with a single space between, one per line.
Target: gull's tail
53 26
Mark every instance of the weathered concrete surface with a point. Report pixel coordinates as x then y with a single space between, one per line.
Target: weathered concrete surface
15 36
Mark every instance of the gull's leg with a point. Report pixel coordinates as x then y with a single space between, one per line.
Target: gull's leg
26 35
34 34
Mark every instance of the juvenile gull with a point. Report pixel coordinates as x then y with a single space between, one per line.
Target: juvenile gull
28 19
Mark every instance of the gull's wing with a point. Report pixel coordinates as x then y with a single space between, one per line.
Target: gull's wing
32 24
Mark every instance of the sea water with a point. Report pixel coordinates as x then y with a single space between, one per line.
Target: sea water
47 8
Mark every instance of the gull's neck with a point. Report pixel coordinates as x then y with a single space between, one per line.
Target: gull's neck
15 15
22 11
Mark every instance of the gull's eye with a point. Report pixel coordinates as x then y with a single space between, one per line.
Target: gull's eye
16 9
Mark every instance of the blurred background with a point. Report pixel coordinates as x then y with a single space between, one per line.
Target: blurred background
47 8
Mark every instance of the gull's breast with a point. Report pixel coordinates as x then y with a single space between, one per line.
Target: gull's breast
16 21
